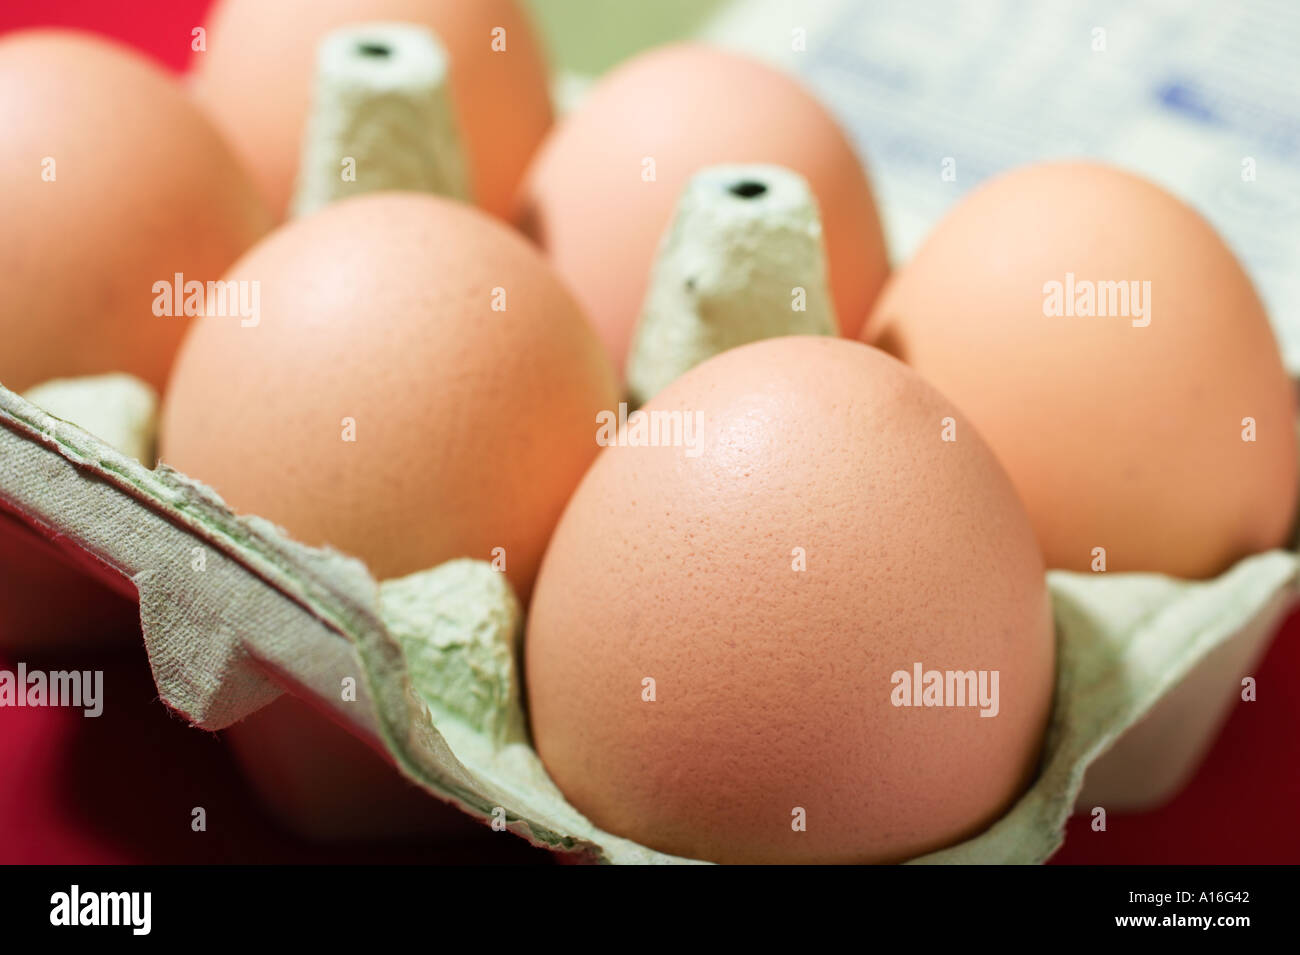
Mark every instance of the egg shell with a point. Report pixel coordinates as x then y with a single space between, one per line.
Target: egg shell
681 108
773 684
472 425
113 181
1117 435
256 74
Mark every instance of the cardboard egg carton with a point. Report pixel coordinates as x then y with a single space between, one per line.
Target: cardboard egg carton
425 670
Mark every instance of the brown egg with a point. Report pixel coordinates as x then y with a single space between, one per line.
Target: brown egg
668 113
1162 431
113 181
255 78
713 642
418 387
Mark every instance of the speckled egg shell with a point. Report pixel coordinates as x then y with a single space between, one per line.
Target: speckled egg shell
419 387
825 537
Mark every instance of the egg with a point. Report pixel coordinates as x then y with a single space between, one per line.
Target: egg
715 644
256 73
603 187
1113 353
114 181
418 386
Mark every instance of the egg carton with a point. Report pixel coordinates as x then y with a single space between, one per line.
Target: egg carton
424 670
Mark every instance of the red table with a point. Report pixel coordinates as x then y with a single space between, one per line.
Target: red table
119 789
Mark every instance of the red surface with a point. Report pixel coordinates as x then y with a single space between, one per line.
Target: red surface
120 788
161 28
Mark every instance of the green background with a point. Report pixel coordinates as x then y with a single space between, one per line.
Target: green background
590 36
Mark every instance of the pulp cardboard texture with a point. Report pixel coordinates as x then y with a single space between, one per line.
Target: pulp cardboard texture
381 103
742 237
426 668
